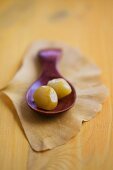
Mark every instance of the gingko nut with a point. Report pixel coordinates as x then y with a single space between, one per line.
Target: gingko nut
46 98
61 87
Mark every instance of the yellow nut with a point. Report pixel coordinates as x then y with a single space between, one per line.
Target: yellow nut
61 87
46 98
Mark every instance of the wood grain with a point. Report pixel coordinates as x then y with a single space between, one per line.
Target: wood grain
85 24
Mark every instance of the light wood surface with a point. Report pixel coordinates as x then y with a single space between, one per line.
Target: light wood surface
85 24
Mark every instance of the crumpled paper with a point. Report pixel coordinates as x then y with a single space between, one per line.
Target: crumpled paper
44 132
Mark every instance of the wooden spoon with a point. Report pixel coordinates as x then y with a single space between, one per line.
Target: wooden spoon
49 59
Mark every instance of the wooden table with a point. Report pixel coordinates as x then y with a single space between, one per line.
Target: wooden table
85 24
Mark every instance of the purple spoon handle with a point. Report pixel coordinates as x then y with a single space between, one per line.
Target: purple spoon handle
49 59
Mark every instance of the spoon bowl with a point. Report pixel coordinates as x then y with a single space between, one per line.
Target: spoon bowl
49 59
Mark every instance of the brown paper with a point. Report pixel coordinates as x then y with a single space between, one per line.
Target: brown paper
49 132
